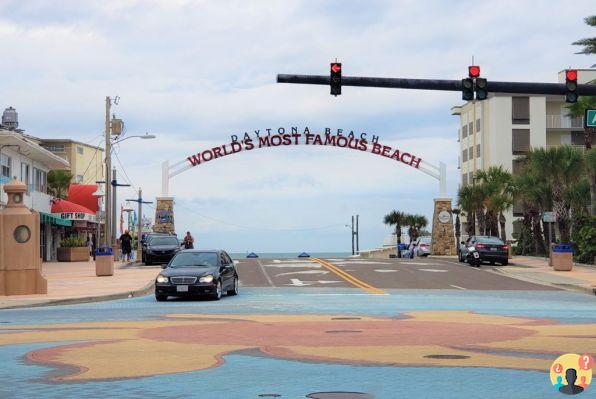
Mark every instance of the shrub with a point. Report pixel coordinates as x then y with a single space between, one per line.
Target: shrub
586 244
73 241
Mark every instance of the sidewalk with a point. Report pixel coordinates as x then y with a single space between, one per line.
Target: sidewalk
75 282
581 278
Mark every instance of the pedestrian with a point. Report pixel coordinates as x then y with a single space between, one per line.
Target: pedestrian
188 241
126 245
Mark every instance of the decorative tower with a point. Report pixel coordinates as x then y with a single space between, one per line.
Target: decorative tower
443 235
20 261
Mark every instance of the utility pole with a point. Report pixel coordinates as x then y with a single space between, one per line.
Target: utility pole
140 224
108 225
357 235
115 186
352 234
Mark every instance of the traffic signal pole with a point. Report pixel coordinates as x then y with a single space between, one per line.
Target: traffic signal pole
438 84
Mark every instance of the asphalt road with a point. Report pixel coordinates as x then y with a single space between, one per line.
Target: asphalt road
376 274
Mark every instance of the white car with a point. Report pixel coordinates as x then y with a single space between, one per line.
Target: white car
421 247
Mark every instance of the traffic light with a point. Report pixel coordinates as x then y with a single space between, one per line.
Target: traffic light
473 71
571 84
481 89
467 89
335 80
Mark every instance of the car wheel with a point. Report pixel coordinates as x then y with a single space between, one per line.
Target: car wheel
492 262
505 262
218 291
148 261
160 297
234 290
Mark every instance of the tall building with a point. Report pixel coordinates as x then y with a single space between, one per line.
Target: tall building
502 128
86 161
22 158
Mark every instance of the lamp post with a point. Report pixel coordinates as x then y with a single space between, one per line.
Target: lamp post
140 201
98 194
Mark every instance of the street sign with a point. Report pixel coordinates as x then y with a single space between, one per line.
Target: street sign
590 118
549 217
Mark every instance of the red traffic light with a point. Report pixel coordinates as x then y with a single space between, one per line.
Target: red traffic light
571 74
474 71
336 67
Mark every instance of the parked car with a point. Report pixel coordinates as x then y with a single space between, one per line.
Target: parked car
161 249
145 239
421 247
489 249
197 272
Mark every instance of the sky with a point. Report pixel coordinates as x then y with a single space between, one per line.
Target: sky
195 72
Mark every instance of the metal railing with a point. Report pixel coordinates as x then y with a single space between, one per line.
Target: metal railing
564 122
579 147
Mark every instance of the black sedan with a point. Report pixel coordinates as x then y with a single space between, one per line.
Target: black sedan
490 249
161 249
195 272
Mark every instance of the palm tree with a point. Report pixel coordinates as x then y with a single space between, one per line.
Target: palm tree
457 212
590 43
398 219
578 109
470 199
591 168
415 223
58 182
560 168
534 196
496 184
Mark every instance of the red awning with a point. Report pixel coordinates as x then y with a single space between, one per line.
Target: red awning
63 206
82 194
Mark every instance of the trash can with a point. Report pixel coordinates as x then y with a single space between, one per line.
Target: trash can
104 261
562 257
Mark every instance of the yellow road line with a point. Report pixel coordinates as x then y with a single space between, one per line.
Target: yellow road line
349 278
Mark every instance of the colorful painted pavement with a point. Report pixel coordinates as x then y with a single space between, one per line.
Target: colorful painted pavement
294 343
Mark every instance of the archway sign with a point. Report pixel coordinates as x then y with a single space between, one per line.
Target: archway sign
282 137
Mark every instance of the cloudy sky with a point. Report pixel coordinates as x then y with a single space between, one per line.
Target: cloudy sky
195 72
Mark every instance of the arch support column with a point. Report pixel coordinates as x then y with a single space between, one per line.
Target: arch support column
443 235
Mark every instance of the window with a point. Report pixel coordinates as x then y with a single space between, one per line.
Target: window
79 150
464 131
25 175
464 156
79 179
520 110
464 179
520 141
517 167
54 147
471 177
40 180
470 128
471 153
578 138
6 163
478 125
478 151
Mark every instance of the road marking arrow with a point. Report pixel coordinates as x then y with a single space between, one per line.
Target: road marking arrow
299 283
304 272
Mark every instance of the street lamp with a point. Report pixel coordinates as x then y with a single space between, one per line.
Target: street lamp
145 136
98 194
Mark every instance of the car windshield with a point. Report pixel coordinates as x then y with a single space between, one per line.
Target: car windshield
164 241
425 240
489 240
194 259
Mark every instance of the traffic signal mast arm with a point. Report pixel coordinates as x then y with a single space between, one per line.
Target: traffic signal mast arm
438 84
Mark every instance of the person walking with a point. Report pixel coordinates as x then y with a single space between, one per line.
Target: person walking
188 241
126 245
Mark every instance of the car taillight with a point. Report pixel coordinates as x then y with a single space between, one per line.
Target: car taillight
505 247
422 245
480 246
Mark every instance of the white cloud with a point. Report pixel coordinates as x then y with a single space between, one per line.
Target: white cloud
194 72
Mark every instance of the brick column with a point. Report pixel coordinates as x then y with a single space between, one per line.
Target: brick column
443 235
164 215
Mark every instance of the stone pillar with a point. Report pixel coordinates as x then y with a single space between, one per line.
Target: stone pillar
20 261
443 239
164 215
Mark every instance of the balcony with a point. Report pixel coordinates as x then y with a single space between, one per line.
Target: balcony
579 147
563 122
